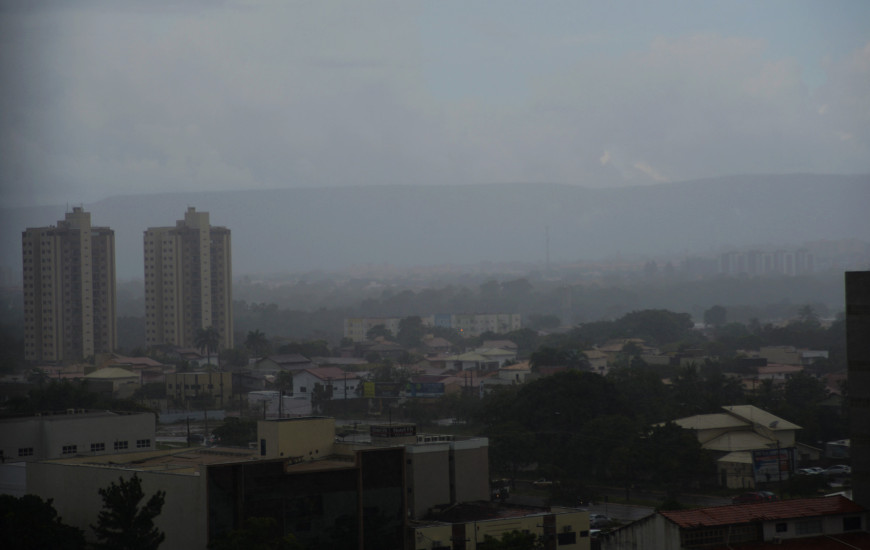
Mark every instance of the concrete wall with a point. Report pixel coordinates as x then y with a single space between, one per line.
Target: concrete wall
470 472
74 490
299 438
577 522
651 533
427 471
48 435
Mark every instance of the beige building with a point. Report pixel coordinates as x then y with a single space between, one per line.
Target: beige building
183 386
471 525
188 282
69 290
735 433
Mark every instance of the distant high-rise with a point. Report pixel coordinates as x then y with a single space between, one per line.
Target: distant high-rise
69 290
188 282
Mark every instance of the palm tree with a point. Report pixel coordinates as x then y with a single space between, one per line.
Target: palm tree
257 343
207 340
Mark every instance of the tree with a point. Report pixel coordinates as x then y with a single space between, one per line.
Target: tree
257 343
125 525
411 332
30 522
234 357
236 431
207 340
716 316
379 331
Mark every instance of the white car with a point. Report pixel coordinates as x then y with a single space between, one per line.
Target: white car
838 470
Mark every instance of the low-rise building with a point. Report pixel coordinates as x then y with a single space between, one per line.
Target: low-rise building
75 432
810 523
192 386
335 382
736 435
468 526
328 494
274 364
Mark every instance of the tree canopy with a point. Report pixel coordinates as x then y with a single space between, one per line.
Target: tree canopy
124 523
29 522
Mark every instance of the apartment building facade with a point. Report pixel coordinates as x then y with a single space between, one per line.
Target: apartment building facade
188 282
69 290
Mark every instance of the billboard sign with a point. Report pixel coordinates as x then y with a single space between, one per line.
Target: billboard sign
773 464
382 389
425 389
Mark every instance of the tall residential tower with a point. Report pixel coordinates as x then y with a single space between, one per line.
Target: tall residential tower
188 282
69 290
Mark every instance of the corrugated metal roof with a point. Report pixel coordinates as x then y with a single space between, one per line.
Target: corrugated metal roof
111 373
709 421
755 415
743 440
735 514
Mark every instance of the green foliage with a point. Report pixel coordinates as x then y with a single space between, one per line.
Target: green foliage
29 522
124 524
538 321
552 357
379 331
307 348
234 357
257 344
236 431
411 332
207 340
256 534
715 316
152 390
61 395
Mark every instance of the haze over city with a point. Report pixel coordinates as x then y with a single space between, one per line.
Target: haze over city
443 275
106 98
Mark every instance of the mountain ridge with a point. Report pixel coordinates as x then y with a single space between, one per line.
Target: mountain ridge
302 229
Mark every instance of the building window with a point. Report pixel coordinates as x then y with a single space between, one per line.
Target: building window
567 538
143 443
302 389
98 447
70 449
120 445
809 527
852 524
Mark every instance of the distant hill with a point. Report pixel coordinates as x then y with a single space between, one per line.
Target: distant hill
333 228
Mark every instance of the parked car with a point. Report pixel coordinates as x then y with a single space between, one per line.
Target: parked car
838 470
598 521
542 483
811 471
751 498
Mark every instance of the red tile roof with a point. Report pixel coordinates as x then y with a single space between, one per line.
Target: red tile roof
841 541
762 511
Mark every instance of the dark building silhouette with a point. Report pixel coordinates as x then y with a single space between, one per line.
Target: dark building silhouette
858 352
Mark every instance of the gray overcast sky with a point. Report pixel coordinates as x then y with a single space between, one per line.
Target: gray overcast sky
106 97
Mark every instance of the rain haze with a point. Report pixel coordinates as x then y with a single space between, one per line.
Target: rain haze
418 274
106 98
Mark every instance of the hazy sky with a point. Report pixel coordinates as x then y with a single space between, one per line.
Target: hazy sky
107 97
